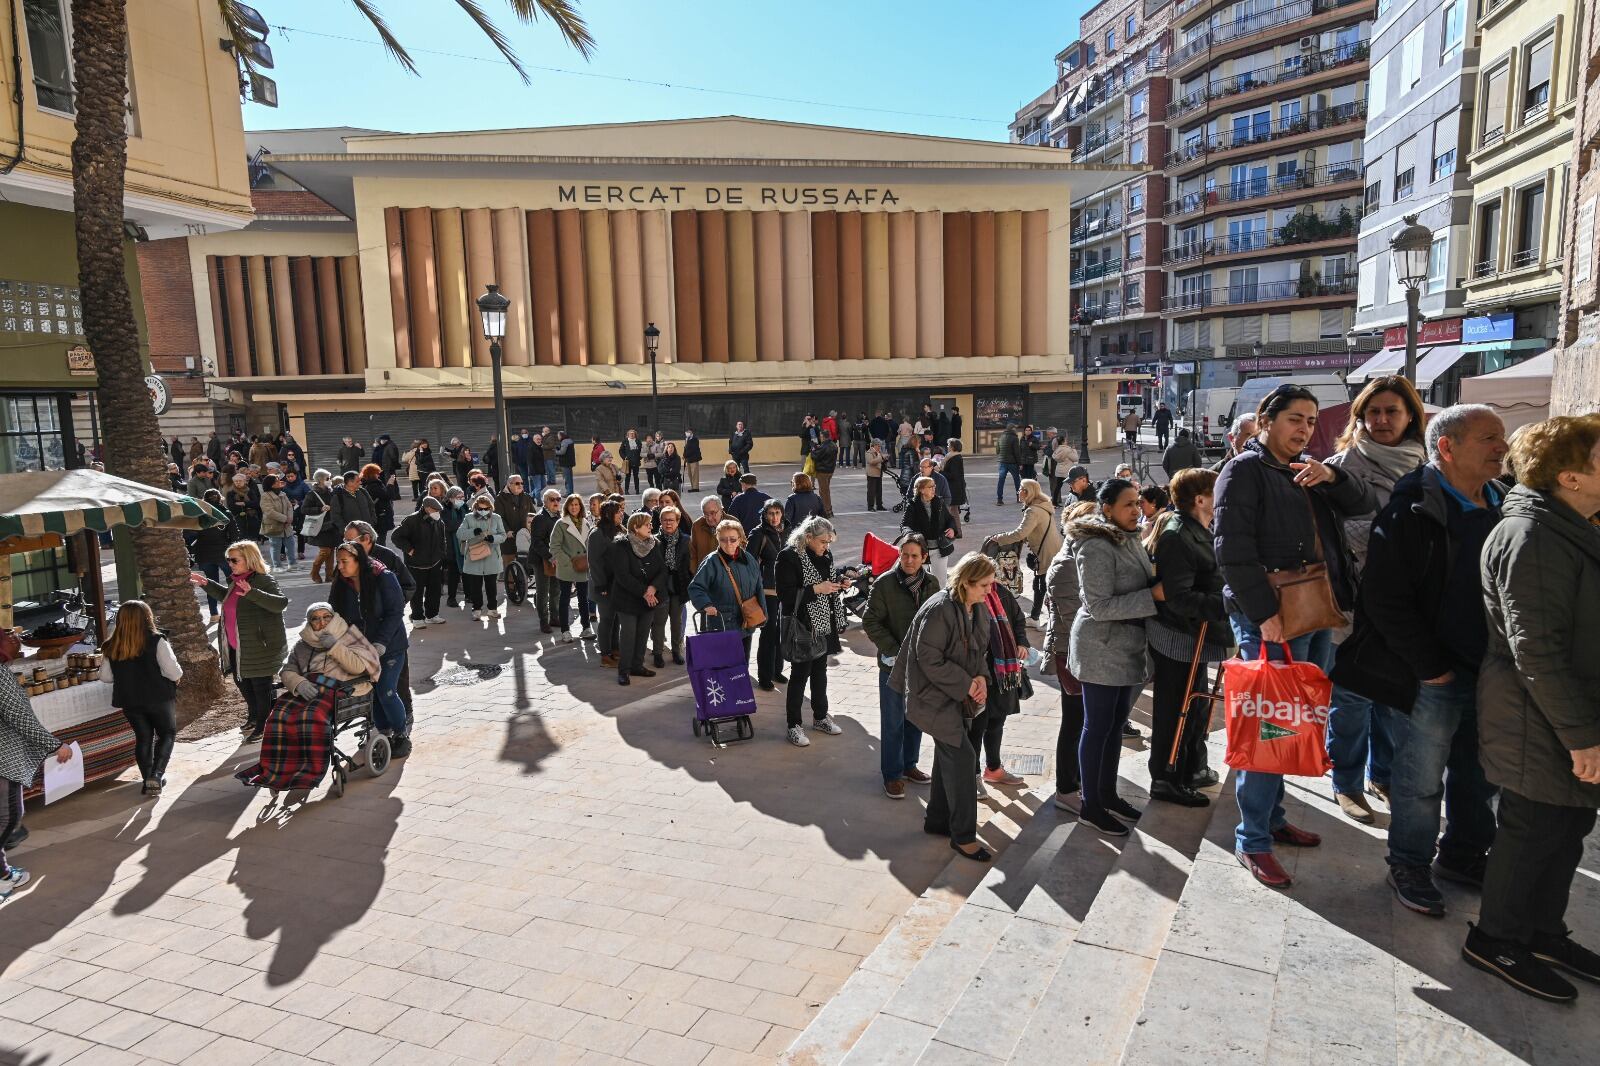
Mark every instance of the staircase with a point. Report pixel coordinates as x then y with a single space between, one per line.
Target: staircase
1048 960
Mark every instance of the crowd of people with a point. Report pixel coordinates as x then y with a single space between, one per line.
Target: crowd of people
1458 574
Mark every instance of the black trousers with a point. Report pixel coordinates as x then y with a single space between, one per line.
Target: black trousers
1535 856
953 793
875 493
425 600
769 660
630 477
257 693
987 730
815 672
1165 709
481 587
635 635
1068 777
545 589
155 727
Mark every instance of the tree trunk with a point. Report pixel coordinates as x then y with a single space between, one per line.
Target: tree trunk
132 436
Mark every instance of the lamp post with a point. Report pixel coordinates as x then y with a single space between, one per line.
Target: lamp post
1409 250
492 307
1255 350
1083 326
652 342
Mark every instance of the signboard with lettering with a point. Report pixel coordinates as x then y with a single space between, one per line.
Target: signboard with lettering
728 195
80 362
1489 328
1437 331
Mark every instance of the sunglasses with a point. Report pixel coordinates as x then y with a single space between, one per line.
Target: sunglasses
235 560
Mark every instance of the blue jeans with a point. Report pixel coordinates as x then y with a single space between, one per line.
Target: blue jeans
216 572
388 712
1000 485
534 485
550 473
567 475
1360 741
281 550
1260 796
901 742
1105 709
1436 762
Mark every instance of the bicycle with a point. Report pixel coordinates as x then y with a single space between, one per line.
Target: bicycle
516 575
1137 457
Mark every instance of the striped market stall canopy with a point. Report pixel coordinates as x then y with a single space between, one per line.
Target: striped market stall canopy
68 501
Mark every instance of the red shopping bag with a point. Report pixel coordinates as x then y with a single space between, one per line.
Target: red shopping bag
879 554
1277 715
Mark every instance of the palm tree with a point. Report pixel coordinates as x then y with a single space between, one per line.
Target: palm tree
132 436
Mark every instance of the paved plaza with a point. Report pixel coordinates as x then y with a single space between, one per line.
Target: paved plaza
562 873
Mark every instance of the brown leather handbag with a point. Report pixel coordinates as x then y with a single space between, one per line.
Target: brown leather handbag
750 611
1306 602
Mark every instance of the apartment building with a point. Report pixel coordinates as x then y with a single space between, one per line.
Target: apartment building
1575 365
1420 107
1265 182
1519 158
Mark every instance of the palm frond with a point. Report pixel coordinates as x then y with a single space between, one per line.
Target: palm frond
496 36
391 43
563 14
240 37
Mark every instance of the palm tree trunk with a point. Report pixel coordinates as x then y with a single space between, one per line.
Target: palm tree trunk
133 445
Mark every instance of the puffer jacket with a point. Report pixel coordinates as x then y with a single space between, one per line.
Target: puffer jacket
1061 579
262 645
351 658
1009 450
942 652
1192 584
477 528
1038 529
1536 690
277 514
1109 645
1264 522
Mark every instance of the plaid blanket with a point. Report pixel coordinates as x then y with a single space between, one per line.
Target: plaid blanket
294 743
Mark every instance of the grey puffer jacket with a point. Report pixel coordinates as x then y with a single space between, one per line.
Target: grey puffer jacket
943 651
1537 689
1061 579
1109 645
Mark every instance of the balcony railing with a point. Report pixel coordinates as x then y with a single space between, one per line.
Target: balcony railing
1257 22
1096 227
1095 271
1483 268
1526 257
1266 185
1257 292
1266 132
1291 69
1300 229
1097 138
1494 136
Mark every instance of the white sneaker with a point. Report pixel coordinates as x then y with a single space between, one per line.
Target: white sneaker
827 725
587 634
493 612
477 616
566 637
436 621
419 623
13 881
797 737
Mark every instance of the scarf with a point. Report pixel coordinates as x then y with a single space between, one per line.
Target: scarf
230 608
912 583
642 546
1393 461
825 613
1007 666
669 551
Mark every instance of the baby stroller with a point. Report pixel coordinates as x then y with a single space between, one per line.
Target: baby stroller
878 557
904 482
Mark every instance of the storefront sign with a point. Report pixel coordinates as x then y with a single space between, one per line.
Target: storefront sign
729 195
160 395
1332 361
1501 327
80 362
1183 368
1439 331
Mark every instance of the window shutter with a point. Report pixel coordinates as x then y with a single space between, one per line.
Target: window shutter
1278 328
1332 322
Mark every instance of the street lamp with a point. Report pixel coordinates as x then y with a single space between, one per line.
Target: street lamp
652 342
1083 326
492 307
1409 249
1255 350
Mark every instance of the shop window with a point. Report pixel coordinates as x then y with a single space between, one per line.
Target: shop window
30 434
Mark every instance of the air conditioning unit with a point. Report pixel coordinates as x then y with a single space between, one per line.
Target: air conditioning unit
208 363
1308 44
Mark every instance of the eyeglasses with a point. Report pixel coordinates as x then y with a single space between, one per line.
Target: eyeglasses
236 560
321 619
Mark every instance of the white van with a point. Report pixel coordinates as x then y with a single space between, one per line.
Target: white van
1208 415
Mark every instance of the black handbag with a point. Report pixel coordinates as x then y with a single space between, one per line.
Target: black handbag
797 641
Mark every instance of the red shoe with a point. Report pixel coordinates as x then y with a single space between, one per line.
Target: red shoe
1295 837
1264 866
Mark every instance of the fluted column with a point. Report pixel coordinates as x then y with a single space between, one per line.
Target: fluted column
958 283
714 284
627 265
875 248
511 274
852 287
742 286
261 316
219 315
930 285
453 325
825 283
686 285
574 295
422 282
238 316
545 279
399 298
478 226
799 321
355 326
283 317
657 245
984 320
903 282
597 282
329 312
768 235
1008 283
1035 282
303 283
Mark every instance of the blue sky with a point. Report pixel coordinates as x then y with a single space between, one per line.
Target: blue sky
932 67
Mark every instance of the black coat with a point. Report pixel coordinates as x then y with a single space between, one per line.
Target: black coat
765 544
539 529
211 545
917 519
825 456
1264 523
350 458
955 475
631 575
421 540
1187 566
691 450
793 592
678 577
382 495
740 444
670 470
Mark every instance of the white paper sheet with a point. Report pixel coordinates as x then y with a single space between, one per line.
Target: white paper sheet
63 779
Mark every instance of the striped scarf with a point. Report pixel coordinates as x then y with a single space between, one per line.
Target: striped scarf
1002 645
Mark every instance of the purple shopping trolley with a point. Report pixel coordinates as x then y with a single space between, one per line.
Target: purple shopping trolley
720 677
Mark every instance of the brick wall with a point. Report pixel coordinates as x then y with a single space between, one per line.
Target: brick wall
170 313
290 202
1575 385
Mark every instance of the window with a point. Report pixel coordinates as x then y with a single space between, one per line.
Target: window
1243 285
1445 133
1131 28
1140 102
1111 41
1411 59
1135 200
1486 259
1288 114
1455 30
1405 169
1373 195
1438 264
1367 282
1136 151
50 48
1135 247
1536 95
1246 234
1530 226
1403 183
1494 104
1377 87
1147 342
1135 295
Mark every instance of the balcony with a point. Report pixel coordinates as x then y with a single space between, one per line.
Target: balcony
1483 268
1293 69
1253 24
1260 188
1096 138
1197 148
1526 258
1303 228
1095 271
1096 228
1257 293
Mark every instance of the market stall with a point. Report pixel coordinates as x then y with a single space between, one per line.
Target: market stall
70 509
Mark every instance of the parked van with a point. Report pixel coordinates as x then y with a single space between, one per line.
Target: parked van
1208 415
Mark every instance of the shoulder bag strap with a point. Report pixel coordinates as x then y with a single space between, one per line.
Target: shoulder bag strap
1316 531
737 595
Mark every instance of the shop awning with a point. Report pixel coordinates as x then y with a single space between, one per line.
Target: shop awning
1436 361
1383 361
68 501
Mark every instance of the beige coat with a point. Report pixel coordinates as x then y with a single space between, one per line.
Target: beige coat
1039 531
352 657
606 480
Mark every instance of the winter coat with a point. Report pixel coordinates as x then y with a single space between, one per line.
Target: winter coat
1537 689
316 502
631 576
943 650
747 507
1263 523
918 519
211 545
1109 645
383 495
567 543
631 452
348 507
452 516
825 457
350 458
475 529
1009 450
765 544
605 478
712 588
425 462
890 609
1190 580
262 644
1039 530
955 475
702 541
1355 462
514 509
795 595
1181 454
691 450
408 459
874 462
351 658
24 741
728 487
669 468
678 576
539 531
600 539
800 506
422 540
1061 580
384 621
277 514
740 444
397 566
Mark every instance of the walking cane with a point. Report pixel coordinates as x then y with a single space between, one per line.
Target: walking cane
1190 696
